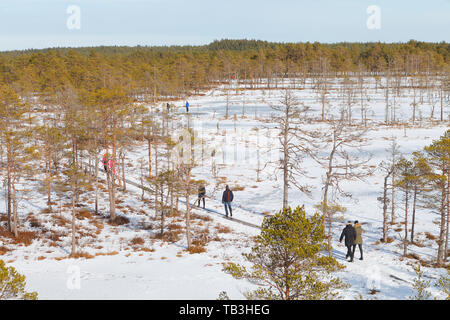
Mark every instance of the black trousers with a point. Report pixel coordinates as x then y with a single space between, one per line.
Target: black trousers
200 198
360 249
350 252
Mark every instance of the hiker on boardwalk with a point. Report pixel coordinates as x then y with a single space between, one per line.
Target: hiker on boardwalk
350 235
105 162
358 240
112 166
187 106
201 195
227 198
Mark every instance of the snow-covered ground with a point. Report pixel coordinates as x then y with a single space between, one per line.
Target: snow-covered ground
245 143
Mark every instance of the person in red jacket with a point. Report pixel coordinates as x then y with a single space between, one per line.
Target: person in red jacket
105 162
227 198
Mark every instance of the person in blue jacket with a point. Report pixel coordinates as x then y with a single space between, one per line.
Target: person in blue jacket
187 106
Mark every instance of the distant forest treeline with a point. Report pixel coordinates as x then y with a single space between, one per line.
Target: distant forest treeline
180 70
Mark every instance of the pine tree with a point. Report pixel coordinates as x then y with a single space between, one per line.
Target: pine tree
287 260
438 157
14 135
420 286
444 284
12 284
405 182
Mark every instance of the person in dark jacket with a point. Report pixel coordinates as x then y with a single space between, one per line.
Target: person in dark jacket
201 195
358 240
349 234
227 198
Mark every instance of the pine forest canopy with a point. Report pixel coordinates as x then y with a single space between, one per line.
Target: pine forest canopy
181 70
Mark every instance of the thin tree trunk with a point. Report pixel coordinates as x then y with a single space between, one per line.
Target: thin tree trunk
15 216
286 161
96 184
73 223
448 216
441 246
393 199
123 173
405 240
149 157
188 211
413 222
385 205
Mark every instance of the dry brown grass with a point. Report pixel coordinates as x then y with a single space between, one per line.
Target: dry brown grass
200 217
172 235
221 180
418 244
60 258
429 236
120 220
196 249
99 226
137 241
174 226
238 188
112 253
83 214
23 237
413 256
56 235
3 250
389 240
223 229
59 220
79 255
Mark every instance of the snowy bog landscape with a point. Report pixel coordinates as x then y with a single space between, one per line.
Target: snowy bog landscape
237 144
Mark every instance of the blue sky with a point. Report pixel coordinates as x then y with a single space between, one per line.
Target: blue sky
43 23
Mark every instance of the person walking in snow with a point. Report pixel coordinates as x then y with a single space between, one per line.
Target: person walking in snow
187 106
168 107
112 166
349 234
105 162
201 195
227 198
358 240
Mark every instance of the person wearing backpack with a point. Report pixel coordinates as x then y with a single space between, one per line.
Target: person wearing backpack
201 195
